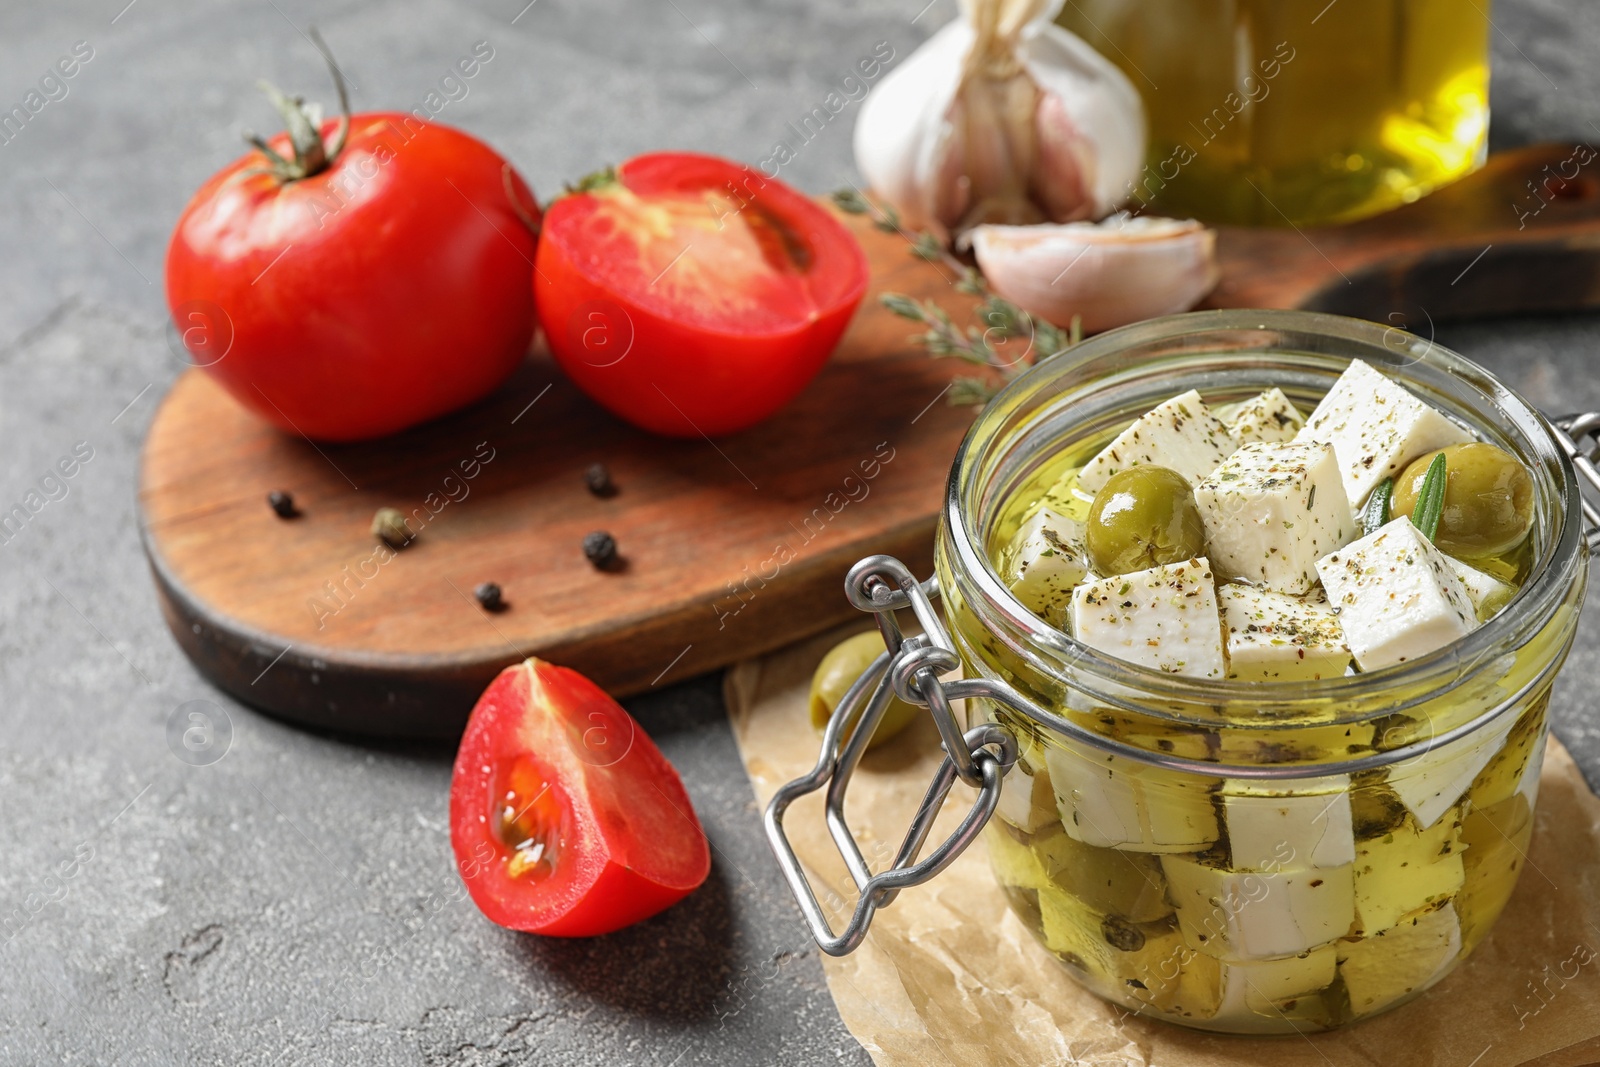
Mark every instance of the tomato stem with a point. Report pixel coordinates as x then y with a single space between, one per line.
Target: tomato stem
312 154
599 179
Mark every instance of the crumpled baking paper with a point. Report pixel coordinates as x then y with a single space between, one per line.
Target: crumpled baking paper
948 977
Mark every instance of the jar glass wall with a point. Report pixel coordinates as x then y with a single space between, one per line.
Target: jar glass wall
1265 112
1240 856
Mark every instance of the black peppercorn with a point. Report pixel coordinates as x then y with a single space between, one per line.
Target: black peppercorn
598 479
282 504
489 596
600 548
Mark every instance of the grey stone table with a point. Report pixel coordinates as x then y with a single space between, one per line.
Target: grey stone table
295 901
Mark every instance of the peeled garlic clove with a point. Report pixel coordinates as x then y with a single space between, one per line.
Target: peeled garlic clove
1108 274
1001 117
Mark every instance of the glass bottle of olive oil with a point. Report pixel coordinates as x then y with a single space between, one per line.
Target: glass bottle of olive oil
1270 112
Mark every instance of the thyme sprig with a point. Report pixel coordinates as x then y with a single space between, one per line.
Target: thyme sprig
1009 341
994 344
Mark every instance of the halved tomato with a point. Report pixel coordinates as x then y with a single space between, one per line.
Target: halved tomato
564 816
691 295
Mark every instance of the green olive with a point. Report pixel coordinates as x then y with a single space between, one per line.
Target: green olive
1488 499
1143 517
839 670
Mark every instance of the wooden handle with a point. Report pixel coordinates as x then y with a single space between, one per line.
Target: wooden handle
1520 235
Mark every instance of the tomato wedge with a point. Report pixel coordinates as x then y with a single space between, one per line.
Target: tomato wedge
564 816
691 295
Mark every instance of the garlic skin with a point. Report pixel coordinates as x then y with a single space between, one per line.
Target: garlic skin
1109 273
1001 117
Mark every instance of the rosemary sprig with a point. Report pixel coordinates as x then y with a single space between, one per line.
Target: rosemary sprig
1430 500
1376 513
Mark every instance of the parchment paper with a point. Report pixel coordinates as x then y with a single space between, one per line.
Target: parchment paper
948 977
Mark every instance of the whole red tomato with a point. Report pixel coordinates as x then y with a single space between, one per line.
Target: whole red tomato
564 816
691 295
387 286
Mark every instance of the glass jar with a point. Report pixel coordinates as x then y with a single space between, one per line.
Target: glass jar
1238 856
1298 111
1233 856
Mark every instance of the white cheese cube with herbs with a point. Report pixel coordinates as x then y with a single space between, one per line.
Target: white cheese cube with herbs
1256 915
1376 426
1271 511
1487 593
1397 596
1269 417
1182 435
1410 956
1289 825
1043 561
1111 802
1277 638
1164 618
1026 799
1528 784
1405 870
1432 783
1268 987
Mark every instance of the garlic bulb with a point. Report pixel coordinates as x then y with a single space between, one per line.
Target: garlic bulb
1108 274
1001 117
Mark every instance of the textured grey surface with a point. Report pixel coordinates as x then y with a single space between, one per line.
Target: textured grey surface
295 901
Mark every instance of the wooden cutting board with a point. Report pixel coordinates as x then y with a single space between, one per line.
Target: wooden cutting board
731 548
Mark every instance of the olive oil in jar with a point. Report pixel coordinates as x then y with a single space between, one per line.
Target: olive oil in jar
1275 112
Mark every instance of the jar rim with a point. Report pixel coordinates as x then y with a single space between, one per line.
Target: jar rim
1540 596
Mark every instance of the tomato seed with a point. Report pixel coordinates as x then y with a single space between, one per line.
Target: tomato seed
528 821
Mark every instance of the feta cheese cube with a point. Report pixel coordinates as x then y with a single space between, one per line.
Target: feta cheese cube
1066 498
1111 802
1174 980
1272 510
1389 966
1495 842
1397 596
1533 773
1501 777
1042 562
1026 799
1165 617
1272 637
1376 426
1254 915
1434 782
1117 882
1297 824
1487 593
1268 987
1078 935
1406 869
1267 417
1181 434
